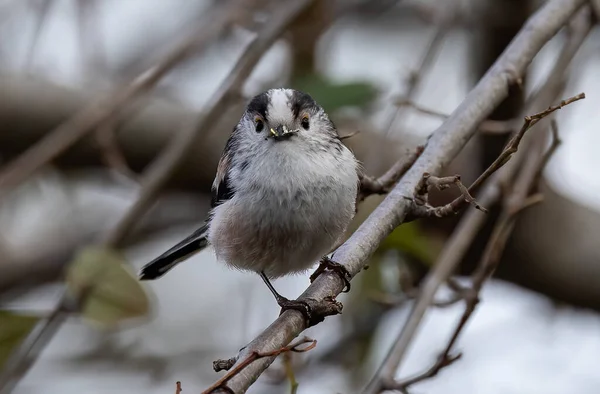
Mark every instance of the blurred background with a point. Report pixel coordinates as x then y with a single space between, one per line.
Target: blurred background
375 66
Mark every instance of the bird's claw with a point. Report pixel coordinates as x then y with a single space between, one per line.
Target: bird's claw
328 264
300 306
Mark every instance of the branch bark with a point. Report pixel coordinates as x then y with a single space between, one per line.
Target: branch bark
444 145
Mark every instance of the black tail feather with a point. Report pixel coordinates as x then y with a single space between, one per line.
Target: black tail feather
183 250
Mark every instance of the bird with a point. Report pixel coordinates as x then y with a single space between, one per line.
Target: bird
284 194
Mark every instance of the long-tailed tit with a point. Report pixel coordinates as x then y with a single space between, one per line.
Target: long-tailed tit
283 196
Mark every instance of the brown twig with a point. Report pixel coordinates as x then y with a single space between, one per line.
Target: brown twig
423 210
42 8
92 116
93 56
428 181
255 355
556 141
382 185
178 388
112 155
416 76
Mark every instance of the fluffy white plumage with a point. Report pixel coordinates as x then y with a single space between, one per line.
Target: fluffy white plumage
284 193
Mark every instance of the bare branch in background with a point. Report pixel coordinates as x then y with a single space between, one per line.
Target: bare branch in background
88 119
93 55
41 8
423 210
468 227
112 154
596 8
91 43
517 200
443 146
382 185
416 76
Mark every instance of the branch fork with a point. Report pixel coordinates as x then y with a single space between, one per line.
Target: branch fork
428 181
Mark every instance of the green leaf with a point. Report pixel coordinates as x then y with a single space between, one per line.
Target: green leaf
110 291
410 239
14 328
332 96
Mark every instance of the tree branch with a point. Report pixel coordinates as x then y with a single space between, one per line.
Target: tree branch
515 202
468 227
443 146
416 76
92 116
383 184
424 210
253 356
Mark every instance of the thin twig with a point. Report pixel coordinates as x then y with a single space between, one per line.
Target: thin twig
42 8
289 372
178 388
91 44
414 82
92 116
112 154
423 210
253 356
416 76
556 141
445 143
93 56
385 183
428 181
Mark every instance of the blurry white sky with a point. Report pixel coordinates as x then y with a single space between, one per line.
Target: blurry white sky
180 345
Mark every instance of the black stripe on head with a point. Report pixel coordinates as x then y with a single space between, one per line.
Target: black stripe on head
301 101
259 104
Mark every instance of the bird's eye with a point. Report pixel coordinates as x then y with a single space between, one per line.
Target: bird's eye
305 123
259 125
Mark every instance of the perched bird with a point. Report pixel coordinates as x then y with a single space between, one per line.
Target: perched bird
283 196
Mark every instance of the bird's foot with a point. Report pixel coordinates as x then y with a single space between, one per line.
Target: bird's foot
313 311
328 264
300 306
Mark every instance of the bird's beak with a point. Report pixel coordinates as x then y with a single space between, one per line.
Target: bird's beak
281 132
